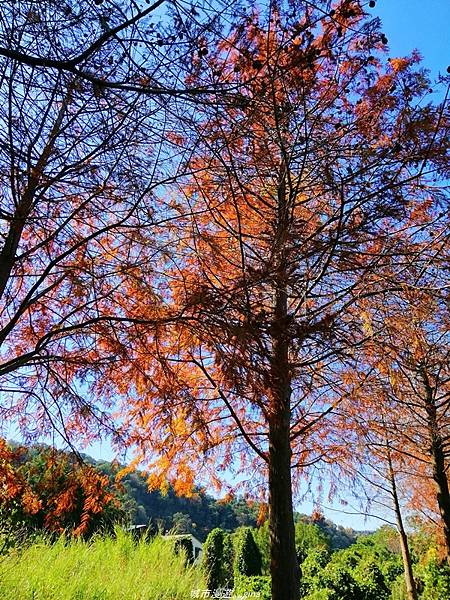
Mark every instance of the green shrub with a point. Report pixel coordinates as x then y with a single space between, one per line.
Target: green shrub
434 578
363 571
213 559
371 581
309 537
259 585
184 544
314 562
262 539
339 582
248 560
228 561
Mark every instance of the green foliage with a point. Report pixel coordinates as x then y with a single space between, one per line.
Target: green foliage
422 540
184 545
434 578
386 537
213 559
314 562
389 560
228 561
371 581
104 568
182 523
247 560
256 586
339 582
364 571
338 537
261 536
371 569
310 537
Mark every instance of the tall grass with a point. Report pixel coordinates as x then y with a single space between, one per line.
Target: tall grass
109 568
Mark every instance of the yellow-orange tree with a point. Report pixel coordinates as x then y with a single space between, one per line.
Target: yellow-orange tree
375 469
409 360
401 409
300 189
43 488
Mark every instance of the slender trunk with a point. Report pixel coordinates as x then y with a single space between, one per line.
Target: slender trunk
443 494
411 589
438 460
284 567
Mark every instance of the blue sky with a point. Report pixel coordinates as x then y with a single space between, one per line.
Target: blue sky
417 24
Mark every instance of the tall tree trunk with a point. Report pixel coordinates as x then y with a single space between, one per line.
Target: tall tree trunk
284 567
443 494
411 589
437 459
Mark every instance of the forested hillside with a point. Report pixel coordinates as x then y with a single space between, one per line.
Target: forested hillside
202 513
197 514
46 472
63 499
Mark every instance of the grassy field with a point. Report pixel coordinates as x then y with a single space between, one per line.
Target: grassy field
102 569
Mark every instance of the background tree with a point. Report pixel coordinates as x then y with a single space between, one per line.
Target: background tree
213 549
47 490
410 359
382 472
84 89
248 560
309 537
402 424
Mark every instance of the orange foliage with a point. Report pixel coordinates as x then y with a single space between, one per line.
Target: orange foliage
303 179
59 493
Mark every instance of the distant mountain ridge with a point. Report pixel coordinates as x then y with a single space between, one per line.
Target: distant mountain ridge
197 515
203 513
137 505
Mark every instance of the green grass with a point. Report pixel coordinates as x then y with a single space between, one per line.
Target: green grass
102 569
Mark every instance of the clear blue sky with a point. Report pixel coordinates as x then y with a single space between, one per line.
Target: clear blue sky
409 25
417 24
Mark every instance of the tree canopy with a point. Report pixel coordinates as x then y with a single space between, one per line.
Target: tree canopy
223 242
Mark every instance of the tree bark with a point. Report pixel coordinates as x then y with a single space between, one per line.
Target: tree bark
411 589
437 460
284 567
443 494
